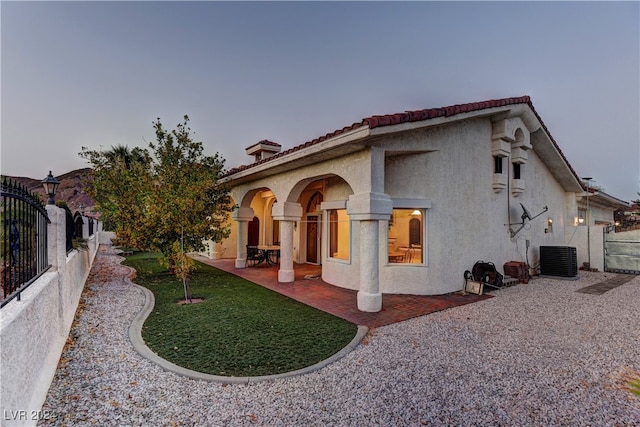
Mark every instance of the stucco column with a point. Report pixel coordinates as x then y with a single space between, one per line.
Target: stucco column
85 227
369 296
287 213
286 273
369 209
56 238
215 250
242 216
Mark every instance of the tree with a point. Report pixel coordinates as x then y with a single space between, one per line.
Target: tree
120 181
174 187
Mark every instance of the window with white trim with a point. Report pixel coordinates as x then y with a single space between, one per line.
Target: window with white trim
407 236
339 234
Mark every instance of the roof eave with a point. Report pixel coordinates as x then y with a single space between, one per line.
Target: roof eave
499 112
303 156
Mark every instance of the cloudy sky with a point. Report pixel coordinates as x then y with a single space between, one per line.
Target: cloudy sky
97 74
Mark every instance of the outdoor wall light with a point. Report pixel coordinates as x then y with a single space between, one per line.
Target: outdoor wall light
416 213
50 184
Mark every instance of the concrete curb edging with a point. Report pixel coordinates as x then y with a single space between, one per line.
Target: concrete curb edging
135 336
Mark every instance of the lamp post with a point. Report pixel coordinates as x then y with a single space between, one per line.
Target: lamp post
588 219
50 184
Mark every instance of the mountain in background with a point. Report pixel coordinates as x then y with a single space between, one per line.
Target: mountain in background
70 190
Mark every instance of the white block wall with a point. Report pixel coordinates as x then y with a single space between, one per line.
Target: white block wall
34 330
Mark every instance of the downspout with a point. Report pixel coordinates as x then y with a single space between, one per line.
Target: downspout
509 193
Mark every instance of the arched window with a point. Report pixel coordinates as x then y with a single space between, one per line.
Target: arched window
314 202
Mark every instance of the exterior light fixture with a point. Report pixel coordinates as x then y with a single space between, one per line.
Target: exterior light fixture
50 184
416 213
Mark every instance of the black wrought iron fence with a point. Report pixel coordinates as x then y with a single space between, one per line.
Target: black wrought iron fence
70 230
78 223
23 239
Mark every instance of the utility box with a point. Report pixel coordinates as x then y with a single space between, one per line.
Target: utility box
518 270
558 261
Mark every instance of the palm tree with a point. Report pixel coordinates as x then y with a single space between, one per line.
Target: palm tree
123 154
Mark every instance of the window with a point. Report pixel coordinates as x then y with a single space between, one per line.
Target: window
406 236
497 168
339 234
516 171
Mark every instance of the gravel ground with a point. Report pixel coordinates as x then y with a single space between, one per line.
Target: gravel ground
538 354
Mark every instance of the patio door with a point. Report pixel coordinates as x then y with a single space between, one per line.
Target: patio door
253 237
313 239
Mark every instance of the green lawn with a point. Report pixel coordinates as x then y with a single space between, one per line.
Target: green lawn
240 329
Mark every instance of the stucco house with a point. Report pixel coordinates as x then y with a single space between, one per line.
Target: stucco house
405 203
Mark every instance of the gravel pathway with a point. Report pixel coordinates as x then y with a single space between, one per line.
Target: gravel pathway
539 354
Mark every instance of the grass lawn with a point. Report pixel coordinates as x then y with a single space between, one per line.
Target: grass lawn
240 329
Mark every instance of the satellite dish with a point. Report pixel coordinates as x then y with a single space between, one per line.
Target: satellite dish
525 213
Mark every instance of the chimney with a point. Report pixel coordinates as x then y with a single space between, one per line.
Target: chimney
263 149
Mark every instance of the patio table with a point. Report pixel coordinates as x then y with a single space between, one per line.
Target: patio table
271 253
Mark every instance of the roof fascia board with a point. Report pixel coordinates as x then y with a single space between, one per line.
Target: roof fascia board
558 166
603 200
505 111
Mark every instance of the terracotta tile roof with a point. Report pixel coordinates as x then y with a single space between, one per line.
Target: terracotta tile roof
407 117
431 113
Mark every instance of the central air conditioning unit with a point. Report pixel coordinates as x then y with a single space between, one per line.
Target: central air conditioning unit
559 261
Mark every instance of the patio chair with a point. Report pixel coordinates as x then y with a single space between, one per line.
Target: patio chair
254 256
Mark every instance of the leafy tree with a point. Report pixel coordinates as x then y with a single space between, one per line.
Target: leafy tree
119 184
166 197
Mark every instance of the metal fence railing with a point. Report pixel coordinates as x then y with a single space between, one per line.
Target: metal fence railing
23 239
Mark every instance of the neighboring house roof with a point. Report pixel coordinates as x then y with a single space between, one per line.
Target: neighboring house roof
380 121
603 199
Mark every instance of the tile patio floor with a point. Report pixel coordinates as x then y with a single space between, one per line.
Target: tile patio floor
339 301
607 285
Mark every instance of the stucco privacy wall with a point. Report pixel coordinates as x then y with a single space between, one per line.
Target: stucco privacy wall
577 237
623 251
33 331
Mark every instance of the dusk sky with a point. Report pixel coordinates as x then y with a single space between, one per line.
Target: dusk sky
98 74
